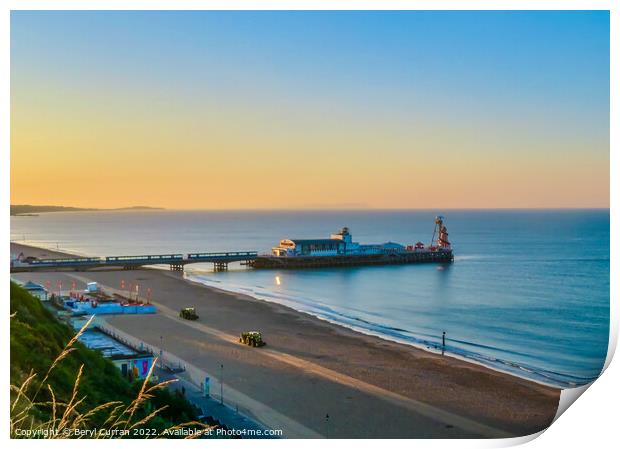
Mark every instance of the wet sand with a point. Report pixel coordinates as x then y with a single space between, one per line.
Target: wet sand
370 387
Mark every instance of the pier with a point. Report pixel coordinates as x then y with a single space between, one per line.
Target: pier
176 262
339 250
220 261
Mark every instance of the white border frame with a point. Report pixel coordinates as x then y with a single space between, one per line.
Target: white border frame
595 411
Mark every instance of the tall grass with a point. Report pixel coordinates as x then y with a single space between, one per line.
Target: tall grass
32 417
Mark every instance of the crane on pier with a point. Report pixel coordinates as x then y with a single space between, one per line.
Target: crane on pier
440 235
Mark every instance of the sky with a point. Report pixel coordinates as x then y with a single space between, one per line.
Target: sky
296 110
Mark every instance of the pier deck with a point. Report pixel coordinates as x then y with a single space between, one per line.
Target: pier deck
175 261
220 261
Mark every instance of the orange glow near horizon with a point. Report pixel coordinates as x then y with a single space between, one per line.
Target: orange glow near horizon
84 159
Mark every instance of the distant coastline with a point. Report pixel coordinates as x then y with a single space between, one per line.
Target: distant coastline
30 210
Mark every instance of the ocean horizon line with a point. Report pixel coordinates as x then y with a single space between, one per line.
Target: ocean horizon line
314 209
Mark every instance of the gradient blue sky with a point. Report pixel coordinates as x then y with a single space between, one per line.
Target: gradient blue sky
511 108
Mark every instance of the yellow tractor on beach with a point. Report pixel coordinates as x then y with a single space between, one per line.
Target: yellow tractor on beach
252 338
188 313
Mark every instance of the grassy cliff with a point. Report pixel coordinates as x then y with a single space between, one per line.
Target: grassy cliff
82 379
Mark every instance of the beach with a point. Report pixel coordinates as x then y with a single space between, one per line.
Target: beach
310 368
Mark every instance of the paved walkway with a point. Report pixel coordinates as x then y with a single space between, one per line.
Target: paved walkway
212 408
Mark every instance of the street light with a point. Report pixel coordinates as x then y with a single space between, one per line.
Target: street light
327 425
161 351
222 384
443 343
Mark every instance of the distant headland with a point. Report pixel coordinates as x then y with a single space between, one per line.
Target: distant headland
27 209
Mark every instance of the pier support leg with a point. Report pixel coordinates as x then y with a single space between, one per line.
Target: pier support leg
220 266
176 267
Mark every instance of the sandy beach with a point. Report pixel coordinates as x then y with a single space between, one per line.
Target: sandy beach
370 387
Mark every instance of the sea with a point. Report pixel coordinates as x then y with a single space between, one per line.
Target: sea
527 293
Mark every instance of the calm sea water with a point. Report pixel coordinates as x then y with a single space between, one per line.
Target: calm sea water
528 291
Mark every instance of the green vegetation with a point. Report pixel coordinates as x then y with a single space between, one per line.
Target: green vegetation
57 383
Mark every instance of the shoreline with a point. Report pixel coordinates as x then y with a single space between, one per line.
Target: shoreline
369 333
465 387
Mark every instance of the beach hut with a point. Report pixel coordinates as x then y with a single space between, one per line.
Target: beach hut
36 290
133 363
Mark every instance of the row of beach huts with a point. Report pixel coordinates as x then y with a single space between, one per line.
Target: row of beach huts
77 306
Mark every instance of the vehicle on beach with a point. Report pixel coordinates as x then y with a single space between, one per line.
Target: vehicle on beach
252 338
188 313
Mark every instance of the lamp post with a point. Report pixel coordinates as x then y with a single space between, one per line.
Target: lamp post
327 425
443 343
222 384
161 351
